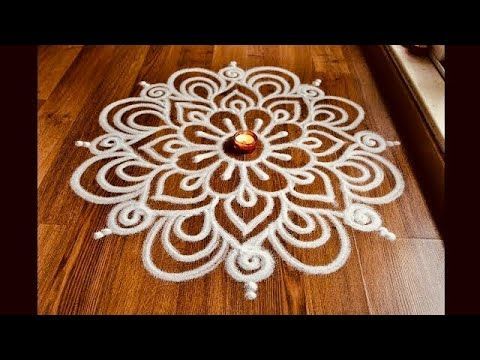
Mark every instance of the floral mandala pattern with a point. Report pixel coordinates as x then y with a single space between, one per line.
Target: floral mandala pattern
164 175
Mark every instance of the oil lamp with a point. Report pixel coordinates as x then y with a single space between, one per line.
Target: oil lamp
245 141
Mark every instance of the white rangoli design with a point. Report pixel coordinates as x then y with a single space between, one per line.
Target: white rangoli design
180 170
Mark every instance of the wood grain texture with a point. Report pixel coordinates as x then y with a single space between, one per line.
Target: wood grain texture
411 279
80 275
62 107
53 61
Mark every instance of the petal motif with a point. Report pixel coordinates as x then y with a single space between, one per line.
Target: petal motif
365 174
265 177
327 226
112 177
258 120
237 99
182 112
312 185
289 157
199 134
195 84
283 135
198 159
323 143
225 179
214 253
317 188
225 122
172 191
337 112
161 146
270 81
287 109
244 223
134 118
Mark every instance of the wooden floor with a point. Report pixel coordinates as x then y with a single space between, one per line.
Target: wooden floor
80 275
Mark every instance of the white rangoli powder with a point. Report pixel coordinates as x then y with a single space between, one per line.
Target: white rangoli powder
197 94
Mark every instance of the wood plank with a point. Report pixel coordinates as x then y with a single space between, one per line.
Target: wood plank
53 62
223 55
160 62
51 265
91 270
57 115
339 293
58 204
403 277
409 216
61 250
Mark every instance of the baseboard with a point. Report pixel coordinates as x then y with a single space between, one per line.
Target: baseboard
425 153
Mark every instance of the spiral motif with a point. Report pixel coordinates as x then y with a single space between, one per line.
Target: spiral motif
362 217
232 73
249 264
156 92
129 217
106 143
371 142
311 92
